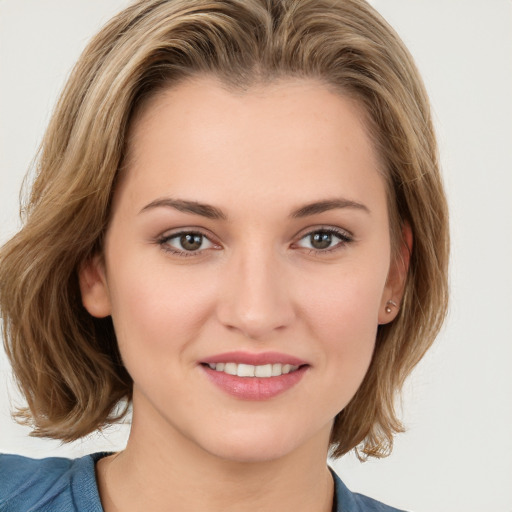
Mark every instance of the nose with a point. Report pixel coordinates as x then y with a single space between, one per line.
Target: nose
255 299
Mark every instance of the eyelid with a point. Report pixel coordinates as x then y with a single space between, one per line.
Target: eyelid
324 227
169 233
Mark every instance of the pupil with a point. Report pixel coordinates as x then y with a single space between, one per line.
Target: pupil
191 241
321 240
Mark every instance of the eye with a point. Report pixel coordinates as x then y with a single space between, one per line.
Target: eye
186 242
324 240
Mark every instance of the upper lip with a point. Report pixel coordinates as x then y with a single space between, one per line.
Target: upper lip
254 359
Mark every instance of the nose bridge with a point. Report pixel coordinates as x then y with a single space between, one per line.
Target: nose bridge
255 300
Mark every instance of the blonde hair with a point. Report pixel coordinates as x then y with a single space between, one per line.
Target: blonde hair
66 362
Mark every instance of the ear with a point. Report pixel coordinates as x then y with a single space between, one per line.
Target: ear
93 287
395 284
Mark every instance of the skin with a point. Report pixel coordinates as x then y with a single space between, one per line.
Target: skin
256 284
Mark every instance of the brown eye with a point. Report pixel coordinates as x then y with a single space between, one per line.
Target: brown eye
325 240
321 240
186 243
191 241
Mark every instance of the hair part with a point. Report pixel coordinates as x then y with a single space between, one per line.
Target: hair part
66 362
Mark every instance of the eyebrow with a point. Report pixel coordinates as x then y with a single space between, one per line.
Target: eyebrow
182 205
211 212
324 206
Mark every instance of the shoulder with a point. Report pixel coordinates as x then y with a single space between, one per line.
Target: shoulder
348 501
53 484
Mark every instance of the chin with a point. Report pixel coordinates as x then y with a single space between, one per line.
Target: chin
250 453
259 444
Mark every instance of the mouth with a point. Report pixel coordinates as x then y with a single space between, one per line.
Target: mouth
263 371
254 376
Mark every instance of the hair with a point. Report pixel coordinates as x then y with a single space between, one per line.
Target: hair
65 361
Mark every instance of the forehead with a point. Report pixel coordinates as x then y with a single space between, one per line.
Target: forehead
293 133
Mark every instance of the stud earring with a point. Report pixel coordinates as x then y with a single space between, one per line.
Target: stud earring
390 303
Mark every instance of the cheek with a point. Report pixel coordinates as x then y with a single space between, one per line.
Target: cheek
347 300
154 309
343 317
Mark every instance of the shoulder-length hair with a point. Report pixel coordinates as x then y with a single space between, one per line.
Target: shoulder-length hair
65 361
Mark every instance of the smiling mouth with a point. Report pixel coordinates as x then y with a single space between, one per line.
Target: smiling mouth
249 376
248 370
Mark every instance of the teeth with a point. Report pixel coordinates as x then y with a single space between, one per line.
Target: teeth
277 369
245 370
230 368
264 370
249 370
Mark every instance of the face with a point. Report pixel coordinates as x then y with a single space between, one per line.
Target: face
246 266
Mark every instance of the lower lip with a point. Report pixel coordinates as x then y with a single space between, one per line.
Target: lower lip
254 388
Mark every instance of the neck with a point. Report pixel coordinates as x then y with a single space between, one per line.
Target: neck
171 473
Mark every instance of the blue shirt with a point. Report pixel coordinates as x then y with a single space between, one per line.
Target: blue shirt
69 485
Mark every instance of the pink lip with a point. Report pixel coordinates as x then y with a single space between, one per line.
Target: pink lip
254 359
254 388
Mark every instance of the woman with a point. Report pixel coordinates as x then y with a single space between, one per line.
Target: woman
238 227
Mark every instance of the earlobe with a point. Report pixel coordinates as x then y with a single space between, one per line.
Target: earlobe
395 284
93 287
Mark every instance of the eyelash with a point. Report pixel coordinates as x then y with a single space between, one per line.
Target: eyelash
344 239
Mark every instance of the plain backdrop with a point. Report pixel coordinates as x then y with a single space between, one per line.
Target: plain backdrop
457 406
